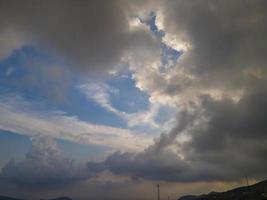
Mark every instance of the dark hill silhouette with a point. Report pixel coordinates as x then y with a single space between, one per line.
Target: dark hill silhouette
257 191
11 198
8 198
188 197
59 198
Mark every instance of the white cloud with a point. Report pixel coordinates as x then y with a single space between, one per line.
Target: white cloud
100 93
18 116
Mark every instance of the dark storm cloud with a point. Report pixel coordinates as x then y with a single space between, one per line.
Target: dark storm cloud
236 135
227 40
223 34
150 164
88 34
185 120
43 167
228 136
232 144
156 162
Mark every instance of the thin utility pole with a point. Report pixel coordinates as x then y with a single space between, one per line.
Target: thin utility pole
158 192
247 180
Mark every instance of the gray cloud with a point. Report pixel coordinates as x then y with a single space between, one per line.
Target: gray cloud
225 86
226 44
228 145
90 35
233 32
185 120
150 164
227 54
44 167
228 40
235 137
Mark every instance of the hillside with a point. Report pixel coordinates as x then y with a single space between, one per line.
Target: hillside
257 191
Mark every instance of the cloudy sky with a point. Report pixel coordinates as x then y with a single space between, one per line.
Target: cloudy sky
106 99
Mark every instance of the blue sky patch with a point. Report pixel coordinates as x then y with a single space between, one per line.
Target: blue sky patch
129 98
169 55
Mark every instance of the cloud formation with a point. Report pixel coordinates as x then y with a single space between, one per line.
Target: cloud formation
222 45
20 116
218 84
100 93
91 35
43 166
220 80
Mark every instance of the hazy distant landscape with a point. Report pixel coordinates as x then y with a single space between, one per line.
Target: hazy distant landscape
257 191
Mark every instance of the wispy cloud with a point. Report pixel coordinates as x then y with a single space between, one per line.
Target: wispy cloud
17 116
100 93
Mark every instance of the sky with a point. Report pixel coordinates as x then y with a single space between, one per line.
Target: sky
106 99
